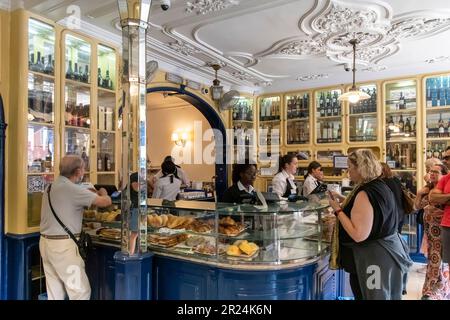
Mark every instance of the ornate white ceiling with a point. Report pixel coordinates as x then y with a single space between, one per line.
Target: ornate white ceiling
280 45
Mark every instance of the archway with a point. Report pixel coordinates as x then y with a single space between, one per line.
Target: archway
216 123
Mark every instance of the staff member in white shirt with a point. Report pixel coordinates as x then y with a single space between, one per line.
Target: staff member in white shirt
168 186
179 172
313 179
63 266
283 182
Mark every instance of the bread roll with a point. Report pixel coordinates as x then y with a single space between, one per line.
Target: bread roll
164 220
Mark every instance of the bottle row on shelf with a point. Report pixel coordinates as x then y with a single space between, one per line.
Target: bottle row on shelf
438 91
297 133
366 106
269 135
396 126
77 115
77 73
104 82
439 129
402 102
270 110
243 111
329 132
105 118
401 156
242 136
40 165
436 151
104 162
298 107
329 105
40 64
40 106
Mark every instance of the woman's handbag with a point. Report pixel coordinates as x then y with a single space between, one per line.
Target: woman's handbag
84 244
408 201
334 250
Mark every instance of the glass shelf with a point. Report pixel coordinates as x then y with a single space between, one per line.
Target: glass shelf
41 47
243 110
106 73
328 117
401 96
77 101
41 97
78 59
363 117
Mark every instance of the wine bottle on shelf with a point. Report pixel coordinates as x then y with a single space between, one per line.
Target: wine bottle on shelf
429 84
441 129
86 74
413 128
401 124
402 104
334 103
328 105
48 69
107 163
330 134
408 127
76 75
99 163
69 72
436 153
429 153
31 62
107 81
99 78
39 67
298 108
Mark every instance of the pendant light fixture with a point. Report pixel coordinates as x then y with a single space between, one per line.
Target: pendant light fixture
216 88
354 95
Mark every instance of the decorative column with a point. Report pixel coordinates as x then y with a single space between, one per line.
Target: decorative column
133 263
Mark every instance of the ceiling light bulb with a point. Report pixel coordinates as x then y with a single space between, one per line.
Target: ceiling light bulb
353 98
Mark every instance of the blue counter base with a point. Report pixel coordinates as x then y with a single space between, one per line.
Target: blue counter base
180 280
133 276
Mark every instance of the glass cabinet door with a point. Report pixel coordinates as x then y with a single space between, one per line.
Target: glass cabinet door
437 115
329 117
363 117
40 115
297 119
401 115
243 129
77 100
269 121
106 115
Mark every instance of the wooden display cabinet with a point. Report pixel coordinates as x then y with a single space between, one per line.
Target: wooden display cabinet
297 118
243 120
55 112
328 116
437 115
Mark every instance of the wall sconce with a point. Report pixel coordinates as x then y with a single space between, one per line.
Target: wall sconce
180 140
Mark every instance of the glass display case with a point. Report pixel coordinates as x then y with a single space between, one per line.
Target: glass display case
298 119
437 126
401 141
41 115
363 117
237 234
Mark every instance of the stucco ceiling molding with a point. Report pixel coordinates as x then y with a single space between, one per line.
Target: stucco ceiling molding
183 48
243 58
313 77
366 55
207 6
420 24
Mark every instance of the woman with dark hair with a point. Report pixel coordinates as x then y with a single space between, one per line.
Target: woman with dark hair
437 282
242 190
178 172
283 182
313 178
168 186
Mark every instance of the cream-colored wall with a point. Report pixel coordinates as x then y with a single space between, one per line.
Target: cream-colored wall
162 122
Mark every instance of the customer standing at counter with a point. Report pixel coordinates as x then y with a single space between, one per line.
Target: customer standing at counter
441 195
437 283
168 186
283 183
368 234
59 252
313 179
243 176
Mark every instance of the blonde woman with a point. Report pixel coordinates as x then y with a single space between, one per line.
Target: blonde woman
371 249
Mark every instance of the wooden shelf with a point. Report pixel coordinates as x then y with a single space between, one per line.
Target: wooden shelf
403 111
438 139
45 124
363 114
77 83
106 131
106 172
244 121
328 118
100 89
431 110
40 74
267 121
76 127
299 119
400 140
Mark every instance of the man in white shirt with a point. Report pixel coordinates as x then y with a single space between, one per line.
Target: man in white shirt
63 266
313 179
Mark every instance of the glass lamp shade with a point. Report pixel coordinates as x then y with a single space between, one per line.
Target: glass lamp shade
354 96
216 92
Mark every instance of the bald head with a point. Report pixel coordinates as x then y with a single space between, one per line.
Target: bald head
69 165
